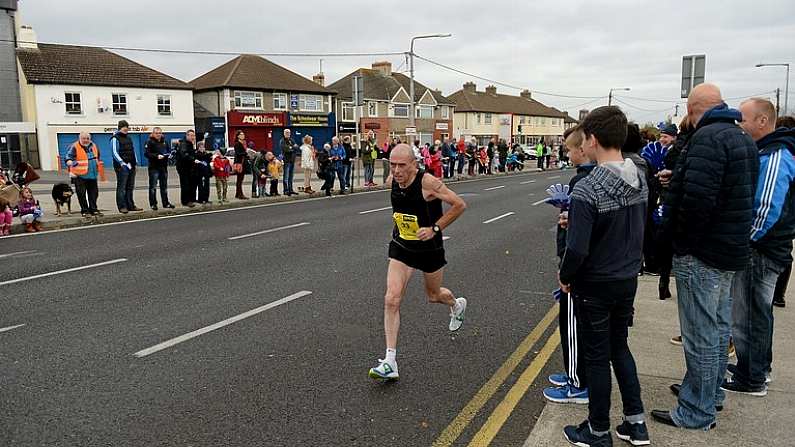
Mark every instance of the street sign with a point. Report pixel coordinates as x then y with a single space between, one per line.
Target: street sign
411 131
358 90
294 102
693 71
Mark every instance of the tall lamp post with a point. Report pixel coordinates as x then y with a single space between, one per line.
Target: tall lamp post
786 84
610 95
412 112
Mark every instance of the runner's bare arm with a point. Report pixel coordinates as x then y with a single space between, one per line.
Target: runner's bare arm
432 187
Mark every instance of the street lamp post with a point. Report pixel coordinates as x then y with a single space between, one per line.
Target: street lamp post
786 84
412 112
610 95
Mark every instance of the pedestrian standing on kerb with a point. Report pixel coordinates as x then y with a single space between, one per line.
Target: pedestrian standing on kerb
157 152
308 162
186 162
368 148
240 164
82 160
203 172
347 162
124 163
337 154
540 154
288 147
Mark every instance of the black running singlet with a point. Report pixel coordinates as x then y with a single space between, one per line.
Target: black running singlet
410 212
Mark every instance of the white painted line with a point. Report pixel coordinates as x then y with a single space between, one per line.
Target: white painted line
494 187
529 181
286 227
16 253
539 202
493 219
444 238
10 328
375 210
185 337
553 177
74 269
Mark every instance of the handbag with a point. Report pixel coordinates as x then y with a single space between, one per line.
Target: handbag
237 168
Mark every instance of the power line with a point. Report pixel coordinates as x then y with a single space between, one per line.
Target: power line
640 108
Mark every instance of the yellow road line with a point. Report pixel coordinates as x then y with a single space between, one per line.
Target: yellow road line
454 430
500 414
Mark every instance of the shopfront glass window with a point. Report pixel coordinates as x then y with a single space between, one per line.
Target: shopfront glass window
164 105
310 103
401 111
248 100
119 104
72 103
280 101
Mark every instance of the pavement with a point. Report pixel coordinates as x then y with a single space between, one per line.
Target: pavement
257 325
745 420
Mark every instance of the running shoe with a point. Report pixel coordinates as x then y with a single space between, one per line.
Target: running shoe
384 371
457 318
736 387
566 394
676 340
559 379
635 434
580 435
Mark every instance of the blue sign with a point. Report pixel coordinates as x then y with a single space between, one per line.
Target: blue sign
293 101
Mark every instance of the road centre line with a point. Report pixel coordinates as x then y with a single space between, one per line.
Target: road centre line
553 177
529 181
185 337
497 419
539 202
69 270
286 227
467 414
493 219
11 328
494 187
16 253
376 210
444 238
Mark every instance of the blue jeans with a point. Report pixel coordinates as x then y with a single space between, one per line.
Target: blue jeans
125 185
752 316
289 169
461 161
369 170
158 176
346 174
704 298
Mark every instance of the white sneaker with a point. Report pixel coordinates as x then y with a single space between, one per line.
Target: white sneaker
384 371
457 318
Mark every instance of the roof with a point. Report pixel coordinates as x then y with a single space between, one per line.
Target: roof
79 65
254 72
499 103
381 87
569 119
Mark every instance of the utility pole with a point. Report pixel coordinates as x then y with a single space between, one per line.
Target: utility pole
778 93
786 84
412 112
610 95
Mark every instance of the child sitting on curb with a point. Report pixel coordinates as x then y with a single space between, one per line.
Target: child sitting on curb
30 213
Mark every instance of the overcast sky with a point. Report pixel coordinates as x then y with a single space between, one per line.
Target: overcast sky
580 48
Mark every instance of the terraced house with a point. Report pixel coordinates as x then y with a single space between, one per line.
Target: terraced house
387 106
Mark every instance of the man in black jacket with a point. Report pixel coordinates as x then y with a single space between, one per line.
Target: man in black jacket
288 147
186 164
156 151
711 209
772 232
124 163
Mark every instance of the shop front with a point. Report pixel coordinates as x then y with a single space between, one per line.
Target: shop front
212 130
263 129
321 127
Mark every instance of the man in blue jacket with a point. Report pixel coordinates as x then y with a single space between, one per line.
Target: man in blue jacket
124 163
711 208
772 231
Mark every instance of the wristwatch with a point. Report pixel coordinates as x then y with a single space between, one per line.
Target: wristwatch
436 228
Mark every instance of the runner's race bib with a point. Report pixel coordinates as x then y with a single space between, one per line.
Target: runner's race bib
407 225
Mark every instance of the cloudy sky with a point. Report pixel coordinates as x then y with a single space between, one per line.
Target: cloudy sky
577 48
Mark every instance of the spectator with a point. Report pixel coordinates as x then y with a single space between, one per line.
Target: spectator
673 140
324 168
186 164
600 267
241 164
6 215
336 155
82 160
350 155
369 148
448 160
711 204
483 160
461 155
385 159
502 151
308 163
30 212
156 151
472 155
288 147
490 153
221 170
203 172
783 278
275 170
260 174
124 164
772 231
252 155
540 154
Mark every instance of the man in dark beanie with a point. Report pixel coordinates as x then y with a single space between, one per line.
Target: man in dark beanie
668 135
124 164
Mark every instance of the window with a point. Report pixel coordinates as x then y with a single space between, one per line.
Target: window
310 103
72 103
249 100
347 111
479 118
401 111
445 113
372 109
164 105
424 111
280 101
543 121
521 120
488 118
119 103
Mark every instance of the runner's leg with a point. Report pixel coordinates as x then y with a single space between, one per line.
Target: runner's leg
434 290
397 278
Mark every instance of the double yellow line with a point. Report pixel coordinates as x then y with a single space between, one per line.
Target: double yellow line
500 414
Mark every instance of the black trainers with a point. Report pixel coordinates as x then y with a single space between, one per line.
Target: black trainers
736 387
778 301
580 435
635 434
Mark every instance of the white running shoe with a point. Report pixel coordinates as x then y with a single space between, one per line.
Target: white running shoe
457 318
384 371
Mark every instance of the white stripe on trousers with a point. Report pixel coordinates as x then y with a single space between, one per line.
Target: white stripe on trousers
572 340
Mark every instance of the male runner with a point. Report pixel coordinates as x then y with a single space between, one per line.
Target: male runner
416 244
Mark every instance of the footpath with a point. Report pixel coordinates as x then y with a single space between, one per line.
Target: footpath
745 421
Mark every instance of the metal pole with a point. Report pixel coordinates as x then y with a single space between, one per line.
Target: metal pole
778 110
610 98
411 84
786 93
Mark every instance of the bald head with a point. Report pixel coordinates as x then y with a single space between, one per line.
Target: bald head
85 139
759 117
402 152
702 98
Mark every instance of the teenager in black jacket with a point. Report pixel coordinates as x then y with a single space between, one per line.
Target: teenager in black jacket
157 153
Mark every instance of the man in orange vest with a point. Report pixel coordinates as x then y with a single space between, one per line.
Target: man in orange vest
82 159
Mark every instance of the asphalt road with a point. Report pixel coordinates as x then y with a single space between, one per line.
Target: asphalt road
292 374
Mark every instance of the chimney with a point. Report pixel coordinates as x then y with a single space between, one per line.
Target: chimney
319 79
27 38
526 94
469 87
491 90
385 67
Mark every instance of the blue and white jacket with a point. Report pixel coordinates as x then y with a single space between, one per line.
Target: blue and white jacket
773 227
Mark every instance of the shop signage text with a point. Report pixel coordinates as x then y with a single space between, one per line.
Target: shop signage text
308 120
256 119
372 126
441 126
411 131
132 129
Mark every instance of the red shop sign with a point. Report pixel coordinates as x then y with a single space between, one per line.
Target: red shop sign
256 119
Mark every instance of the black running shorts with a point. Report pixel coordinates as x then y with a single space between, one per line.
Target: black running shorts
427 261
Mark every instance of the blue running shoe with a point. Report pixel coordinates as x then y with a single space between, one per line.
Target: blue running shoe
580 435
559 379
566 394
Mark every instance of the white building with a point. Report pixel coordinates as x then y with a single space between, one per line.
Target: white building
67 89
